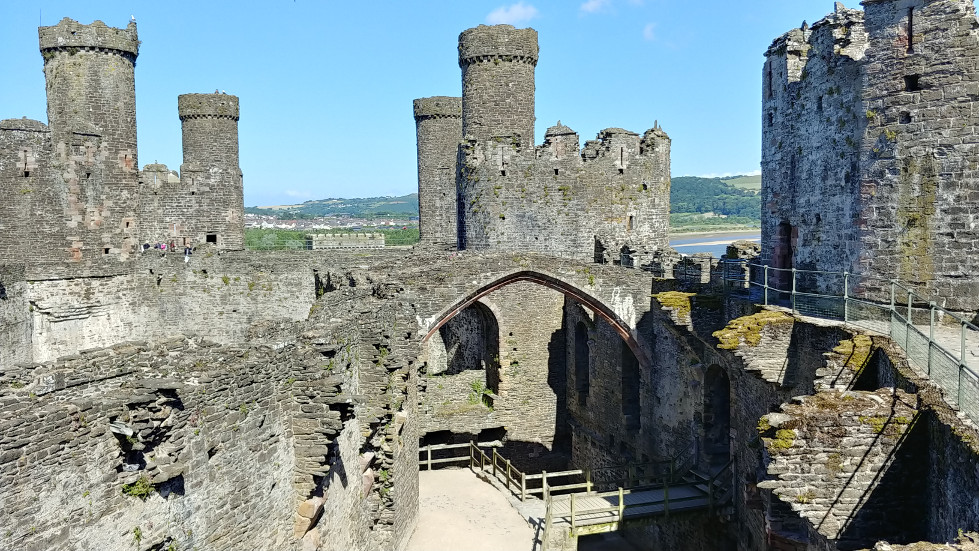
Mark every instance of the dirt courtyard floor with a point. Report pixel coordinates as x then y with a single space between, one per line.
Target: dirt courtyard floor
458 511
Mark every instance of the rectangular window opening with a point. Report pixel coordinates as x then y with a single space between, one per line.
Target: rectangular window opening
27 174
632 220
911 30
105 250
912 83
556 171
621 171
211 238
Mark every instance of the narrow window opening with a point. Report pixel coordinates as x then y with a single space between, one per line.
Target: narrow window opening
556 170
911 30
193 193
27 174
89 175
819 104
621 160
644 186
211 238
621 171
771 119
105 250
905 118
912 83
632 220
502 173
128 223
768 82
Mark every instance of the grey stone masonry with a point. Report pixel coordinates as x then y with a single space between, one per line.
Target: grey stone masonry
870 148
438 123
498 82
210 169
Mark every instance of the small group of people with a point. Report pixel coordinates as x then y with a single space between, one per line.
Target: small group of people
172 247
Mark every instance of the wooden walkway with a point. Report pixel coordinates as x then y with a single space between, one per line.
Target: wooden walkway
591 513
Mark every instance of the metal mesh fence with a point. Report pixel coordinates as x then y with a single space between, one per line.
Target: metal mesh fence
969 393
939 344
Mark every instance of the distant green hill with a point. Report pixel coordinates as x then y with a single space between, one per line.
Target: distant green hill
692 194
369 207
714 201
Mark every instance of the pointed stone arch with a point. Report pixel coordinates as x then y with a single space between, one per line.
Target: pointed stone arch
571 290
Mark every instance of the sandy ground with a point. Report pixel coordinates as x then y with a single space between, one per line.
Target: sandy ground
459 512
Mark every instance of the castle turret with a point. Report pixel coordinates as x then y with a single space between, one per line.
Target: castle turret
498 82
210 170
438 122
89 73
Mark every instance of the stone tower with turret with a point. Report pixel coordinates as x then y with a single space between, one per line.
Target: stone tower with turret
607 201
438 125
205 203
72 184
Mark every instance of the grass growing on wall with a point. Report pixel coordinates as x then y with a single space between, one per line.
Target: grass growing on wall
276 239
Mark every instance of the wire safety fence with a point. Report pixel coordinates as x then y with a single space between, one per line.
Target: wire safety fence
940 344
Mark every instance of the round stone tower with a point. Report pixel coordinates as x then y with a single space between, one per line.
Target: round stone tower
438 124
89 72
210 169
498 82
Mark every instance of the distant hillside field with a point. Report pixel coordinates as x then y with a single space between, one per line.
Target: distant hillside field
405 206
745 182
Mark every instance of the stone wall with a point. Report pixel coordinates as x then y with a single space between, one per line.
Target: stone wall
229 446
871 113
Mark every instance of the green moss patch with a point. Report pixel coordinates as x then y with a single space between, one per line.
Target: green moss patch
748 329
677 301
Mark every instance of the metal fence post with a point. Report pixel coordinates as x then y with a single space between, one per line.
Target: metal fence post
907 328
846 296
766 284
793 289
961 366
931 332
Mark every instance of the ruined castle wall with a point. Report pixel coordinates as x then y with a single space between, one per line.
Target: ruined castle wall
216 295
213 443
438 125
497 65
812 126
29 211
525 375
89 73
16 323
919 152
516 200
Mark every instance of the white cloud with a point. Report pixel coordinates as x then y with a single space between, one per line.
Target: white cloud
649 31
515 14
592 6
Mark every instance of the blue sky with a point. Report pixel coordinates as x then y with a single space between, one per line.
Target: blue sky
326 86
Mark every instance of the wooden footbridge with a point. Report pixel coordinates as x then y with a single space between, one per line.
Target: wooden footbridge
582 502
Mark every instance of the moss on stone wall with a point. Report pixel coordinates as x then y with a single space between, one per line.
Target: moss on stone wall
678 302
748 329
856 351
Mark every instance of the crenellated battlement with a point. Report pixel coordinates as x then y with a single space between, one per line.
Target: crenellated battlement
438 107
71 36
207 106
498 44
